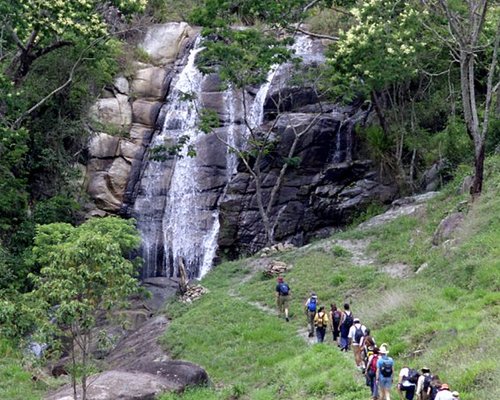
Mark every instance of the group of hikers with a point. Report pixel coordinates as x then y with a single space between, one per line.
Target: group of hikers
372 360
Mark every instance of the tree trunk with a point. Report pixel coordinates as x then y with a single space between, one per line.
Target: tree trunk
380 113
477 183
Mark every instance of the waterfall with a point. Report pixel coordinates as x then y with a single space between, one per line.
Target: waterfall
175 216
174 225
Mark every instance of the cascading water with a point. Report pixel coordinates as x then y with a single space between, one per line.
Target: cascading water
176 219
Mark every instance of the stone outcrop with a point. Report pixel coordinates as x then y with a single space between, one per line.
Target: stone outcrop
125 118
137 385
447 228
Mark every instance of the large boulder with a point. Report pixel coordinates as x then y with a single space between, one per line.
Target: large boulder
163 42
447 228
123 385
150 83
113 113
103 145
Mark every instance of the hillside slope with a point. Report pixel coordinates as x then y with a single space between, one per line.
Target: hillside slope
446 316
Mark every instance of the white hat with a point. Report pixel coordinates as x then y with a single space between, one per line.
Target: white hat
383 350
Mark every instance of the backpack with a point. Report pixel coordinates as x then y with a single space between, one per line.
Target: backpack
427 383
373 363
358 334
337 316
312 304
413 376
284 289
348 320
386 369
433 393
320 321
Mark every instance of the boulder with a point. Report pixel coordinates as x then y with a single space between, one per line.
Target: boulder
115 112
121 85
103 145
163 42
123 385
118 177
99 191
145 112
150 83
447 227
129 150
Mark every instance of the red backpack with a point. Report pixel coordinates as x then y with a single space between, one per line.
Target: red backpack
373 363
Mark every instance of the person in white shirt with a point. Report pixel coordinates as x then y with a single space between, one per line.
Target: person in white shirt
423 384
444 393
355 335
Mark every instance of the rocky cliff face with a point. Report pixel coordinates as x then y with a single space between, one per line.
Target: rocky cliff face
324 191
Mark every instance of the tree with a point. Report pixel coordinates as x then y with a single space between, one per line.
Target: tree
83 272
39 27
471 29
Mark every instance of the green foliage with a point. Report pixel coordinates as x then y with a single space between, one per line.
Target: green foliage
209 120
83 272
241 57
171 10
382 47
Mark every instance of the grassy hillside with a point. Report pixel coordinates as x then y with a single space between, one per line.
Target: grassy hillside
445 317
15 382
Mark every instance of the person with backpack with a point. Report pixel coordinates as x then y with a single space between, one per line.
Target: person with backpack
321 322
407 382
424 384
310 307
371 373
434 387
385 371
283 297
345 326
335 318
367 345
356 333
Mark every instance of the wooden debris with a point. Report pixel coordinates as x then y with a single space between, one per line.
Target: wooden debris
275 268
192 293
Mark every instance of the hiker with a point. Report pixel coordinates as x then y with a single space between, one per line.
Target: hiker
385 371
367 344
356 333
335 318
345 326
310 307
434 387
371 372
424 384
321 322
283 297
407 382
444 393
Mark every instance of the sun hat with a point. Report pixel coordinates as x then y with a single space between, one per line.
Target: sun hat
455 394
444 386
383 350
426 369
355 320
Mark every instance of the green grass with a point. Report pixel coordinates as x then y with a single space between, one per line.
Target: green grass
445 317
16 382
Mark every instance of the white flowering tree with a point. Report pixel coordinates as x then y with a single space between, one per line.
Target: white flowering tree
37 27
379 58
